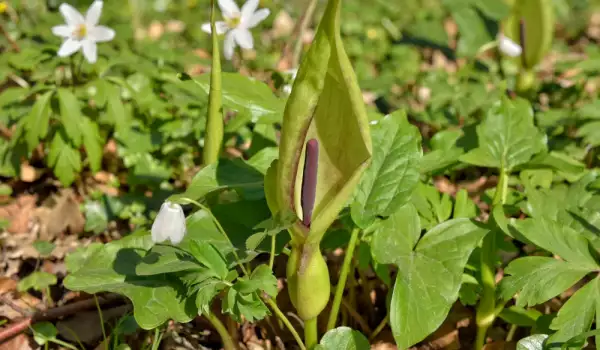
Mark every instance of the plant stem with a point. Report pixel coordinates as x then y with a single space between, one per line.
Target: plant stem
380 327
511 333
311 336
339 289
225 337
157 338
272 257
65 344
213 136
487 310
101 320
286 322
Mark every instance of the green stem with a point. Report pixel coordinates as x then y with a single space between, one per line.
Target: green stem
487 309
220 228
286 322
272 257
101 320
511 333
339 289
228 343
157 338
380 327
213 136
65 344
311 336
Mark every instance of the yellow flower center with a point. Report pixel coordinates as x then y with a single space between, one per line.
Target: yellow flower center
80 31
3 6
233 22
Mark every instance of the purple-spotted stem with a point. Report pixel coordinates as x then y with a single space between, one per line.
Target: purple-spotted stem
309 181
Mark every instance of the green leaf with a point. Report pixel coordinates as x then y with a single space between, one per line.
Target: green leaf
539 279
44 332
210 257
261 280
343 338
418 289
249 305
557 239
96 217
576 315
464 207
115 110
37 121
164 259
507 137
433 206
394 171
207 291
44 248
247 95
78 258
70 115
65 159
92 142
112 269
227 174
533 342
519 316
398 233
473 31
38 281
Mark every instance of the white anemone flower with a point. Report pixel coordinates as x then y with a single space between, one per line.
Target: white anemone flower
169 224
81 32
237 24
509 47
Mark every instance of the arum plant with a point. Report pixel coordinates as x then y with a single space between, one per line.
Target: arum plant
531 25
325 148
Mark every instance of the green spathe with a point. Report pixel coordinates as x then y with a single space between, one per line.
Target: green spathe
325 104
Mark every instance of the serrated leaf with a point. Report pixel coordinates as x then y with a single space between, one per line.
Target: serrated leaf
238 304
38 280
394 171
70 115
343 338
507 137
418 289
210 257
92 142
207 291
261 280
575 316
539 279
557 239
65 159
533 342
37 121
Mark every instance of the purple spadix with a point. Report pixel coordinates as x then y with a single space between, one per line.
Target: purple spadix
309 180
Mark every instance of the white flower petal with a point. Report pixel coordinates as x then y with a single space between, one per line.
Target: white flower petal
62 30
71 15
92 15
248 9
169 224
229 8
101 34
69 47
287 89
220 25
509 47
90 51
256 18
244 38
229 45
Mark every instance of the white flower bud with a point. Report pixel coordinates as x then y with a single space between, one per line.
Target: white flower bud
169 224
509 47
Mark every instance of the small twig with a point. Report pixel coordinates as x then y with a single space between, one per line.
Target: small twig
19 326
10 40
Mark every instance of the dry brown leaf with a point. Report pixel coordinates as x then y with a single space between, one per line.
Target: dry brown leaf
59 214
20 342
19 213
86 325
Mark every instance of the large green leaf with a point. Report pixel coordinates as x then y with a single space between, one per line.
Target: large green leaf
576 315
226 174
92 142
533 342
421 299
538 279
557 239
247 95
507 137
394 171
70 115
473 31
343 338
155 298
